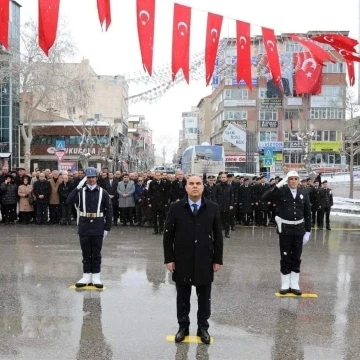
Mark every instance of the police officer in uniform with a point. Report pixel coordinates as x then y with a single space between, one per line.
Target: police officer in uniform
294 226
210 191
328 203
94 220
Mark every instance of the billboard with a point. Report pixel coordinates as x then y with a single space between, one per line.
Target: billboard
208 159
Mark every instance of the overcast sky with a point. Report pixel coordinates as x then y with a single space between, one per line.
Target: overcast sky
117 51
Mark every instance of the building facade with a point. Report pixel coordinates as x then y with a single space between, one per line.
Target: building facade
189 135
9 92
277 117
204 107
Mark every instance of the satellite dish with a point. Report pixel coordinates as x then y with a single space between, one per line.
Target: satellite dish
205 144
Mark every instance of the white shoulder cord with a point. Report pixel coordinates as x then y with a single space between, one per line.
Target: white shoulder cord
99 203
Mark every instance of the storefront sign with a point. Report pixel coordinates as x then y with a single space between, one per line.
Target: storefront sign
242 123
276 145
292 145
235 158
268 124
236 136
72 150
68 166
230 103
271 103
326 146
325 101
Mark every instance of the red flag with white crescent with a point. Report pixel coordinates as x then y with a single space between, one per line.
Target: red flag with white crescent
337 41
272 55
319 54
48 23
145 10
4 22
351 72
243 53
181 40
104 10
213 30
347 55
307 74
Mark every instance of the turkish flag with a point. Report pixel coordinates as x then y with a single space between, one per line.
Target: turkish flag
319 54
351 72
48 23
337 41
243 53
181 40
104 11
307 74
4 22
272 54
145 10
347 55
213 30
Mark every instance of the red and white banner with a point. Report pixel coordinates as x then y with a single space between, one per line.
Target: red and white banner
104 10
181 41
307 74
4 22
145 12
48 23
243 53
351 72
213 30
337 41
272 55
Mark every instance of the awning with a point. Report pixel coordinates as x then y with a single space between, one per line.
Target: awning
5 155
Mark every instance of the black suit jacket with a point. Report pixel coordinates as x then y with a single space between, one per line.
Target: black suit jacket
194 243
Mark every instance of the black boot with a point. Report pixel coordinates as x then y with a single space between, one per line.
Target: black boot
180 335
204 336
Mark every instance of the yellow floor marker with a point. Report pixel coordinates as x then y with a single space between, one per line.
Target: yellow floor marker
189 339
306 295
86 288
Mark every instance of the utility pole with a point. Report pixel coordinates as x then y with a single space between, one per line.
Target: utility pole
163 154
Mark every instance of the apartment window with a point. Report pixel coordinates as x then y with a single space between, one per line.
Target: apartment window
292 114
331 68
268 115
262 93
332 135
326 113
290 136
293 158
235 115
236 94
261 47
268 136
292 47
332 90
326 135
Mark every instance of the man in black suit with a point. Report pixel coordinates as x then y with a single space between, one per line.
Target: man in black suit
111 184
193 248
294 226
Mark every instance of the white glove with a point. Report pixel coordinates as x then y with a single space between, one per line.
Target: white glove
105 234
282 183
81 183
306 238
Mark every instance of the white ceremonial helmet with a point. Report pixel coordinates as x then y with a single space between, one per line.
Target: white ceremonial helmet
292 173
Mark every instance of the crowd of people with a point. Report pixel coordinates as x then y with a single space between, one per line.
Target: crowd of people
143 198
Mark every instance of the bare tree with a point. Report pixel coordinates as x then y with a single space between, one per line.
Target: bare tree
351 135
47 83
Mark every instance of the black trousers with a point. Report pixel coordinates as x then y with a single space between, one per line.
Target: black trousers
318 216
42 210
225 221
161 213
245 218
138 212
9 213
127 215
327 216
91 251
183 305
290 252
25 216
262 217
116 214
232 217
55 213
66 212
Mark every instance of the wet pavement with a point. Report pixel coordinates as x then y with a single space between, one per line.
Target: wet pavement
41 318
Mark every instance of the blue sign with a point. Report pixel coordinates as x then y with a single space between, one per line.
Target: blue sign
268 162
268 152
60 145
275 145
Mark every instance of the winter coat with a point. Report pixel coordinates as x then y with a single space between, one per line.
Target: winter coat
54 194
64 190
225 197
127 201
139 189
194 243
112 190
245 198
8 194
42 188
25 193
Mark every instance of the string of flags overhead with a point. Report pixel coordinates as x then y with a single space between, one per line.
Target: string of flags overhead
145 13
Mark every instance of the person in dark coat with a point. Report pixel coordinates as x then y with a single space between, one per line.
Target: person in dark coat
193 249
177 190
64 190
210 189
294 226
327 203
262 206
225 200
9 194
41 193
244 202
138 196
111 184
317 199
235 188
95 219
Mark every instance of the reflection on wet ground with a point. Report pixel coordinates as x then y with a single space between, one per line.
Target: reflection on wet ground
41 318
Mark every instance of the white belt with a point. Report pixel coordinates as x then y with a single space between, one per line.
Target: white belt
91 215
295 222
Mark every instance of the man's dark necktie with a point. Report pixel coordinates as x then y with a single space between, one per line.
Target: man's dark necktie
195 206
